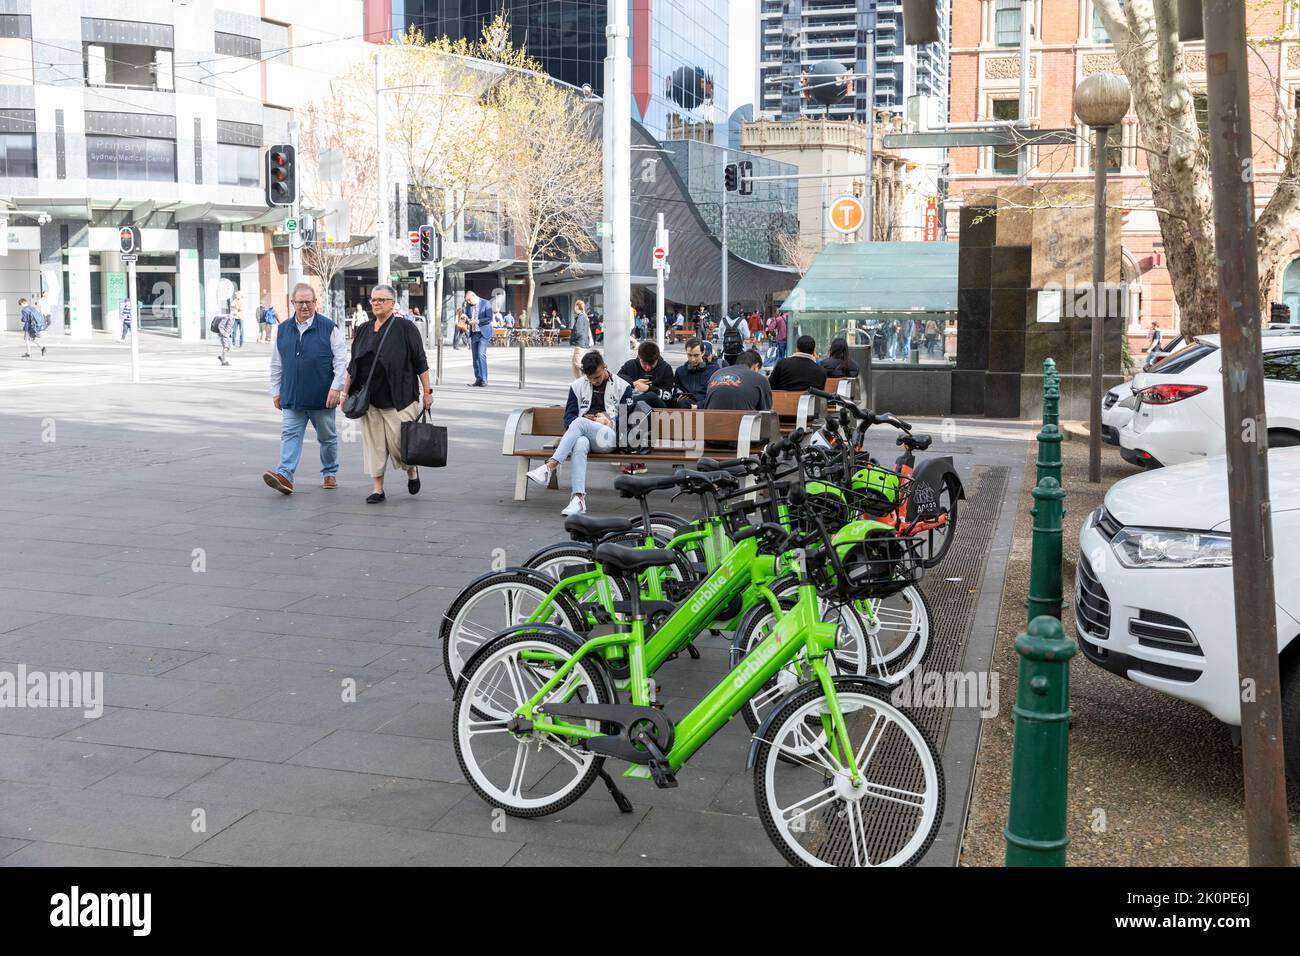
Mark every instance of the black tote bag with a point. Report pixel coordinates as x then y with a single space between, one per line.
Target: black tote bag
424 443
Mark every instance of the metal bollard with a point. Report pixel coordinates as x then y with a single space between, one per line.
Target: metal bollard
438 357
1052 401
521 363
1036 832
1045 557
1049 454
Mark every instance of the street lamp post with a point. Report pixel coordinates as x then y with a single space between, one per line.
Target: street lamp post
617 130
1101 101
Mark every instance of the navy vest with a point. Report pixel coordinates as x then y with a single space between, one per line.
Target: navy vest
306 363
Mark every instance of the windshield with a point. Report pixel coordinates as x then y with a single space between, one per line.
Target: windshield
1183 359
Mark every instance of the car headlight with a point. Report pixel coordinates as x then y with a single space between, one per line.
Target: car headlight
1161 548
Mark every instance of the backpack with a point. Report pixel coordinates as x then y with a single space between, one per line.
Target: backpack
733 342
215 324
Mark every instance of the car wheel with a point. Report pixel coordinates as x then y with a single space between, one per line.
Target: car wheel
1291 720
1280 439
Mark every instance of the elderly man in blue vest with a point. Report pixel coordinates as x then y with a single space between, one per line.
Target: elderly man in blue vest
479 316
308 364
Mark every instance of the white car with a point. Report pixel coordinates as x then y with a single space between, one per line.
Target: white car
1179 411
1116 412
1153 595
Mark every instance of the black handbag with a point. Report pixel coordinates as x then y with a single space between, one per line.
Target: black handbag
633 428
358 403
424 443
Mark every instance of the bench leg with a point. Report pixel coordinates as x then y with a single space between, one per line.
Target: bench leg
521 479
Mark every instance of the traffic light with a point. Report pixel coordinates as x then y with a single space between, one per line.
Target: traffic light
129 238
430 245
746 177
730 177
281 176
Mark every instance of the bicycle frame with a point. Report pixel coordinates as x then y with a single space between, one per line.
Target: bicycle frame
799 628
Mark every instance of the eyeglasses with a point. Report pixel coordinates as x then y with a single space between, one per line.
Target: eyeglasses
380 300
305 302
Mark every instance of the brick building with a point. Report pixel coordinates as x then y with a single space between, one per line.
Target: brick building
1069 43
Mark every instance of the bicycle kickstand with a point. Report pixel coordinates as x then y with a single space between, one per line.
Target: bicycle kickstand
621 801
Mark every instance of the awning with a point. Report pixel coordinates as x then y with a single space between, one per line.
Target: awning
879 277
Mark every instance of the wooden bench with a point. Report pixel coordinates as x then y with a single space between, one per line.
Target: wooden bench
796 409
678 437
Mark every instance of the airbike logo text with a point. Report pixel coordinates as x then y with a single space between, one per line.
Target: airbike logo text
705 594
754 663
75 908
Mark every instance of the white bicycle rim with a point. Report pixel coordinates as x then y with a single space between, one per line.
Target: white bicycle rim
489 612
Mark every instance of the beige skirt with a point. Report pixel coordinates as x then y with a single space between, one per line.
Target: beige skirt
381 436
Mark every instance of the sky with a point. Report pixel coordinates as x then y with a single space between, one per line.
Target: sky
742 72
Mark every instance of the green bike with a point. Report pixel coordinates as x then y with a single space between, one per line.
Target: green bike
841 776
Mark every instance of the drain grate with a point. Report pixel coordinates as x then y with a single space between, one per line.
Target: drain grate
952 602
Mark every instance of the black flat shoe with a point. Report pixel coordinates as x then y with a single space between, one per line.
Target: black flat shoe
375 497
413 484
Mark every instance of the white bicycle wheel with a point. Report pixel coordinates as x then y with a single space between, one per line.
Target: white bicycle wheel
490 606
527 774
807 800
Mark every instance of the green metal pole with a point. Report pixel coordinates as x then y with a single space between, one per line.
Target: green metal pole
1035 832
1049 453
1052 400
1045 558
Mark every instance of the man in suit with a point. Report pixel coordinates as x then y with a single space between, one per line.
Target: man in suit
479 316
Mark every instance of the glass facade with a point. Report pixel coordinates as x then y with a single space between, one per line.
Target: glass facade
131 157
679 77
755 223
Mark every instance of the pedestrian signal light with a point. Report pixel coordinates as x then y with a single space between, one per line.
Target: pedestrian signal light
281 176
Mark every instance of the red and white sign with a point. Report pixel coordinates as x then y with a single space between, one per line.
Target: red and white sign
1158 259
932 219
414 236
660 256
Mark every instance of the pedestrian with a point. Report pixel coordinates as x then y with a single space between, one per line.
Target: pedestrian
650 376
478 317
307 371
679 321
691 380
270 320
589 419
358 316
777 333
731 337
223 324
33 325
740 387
124 313
1153 338
755 322
236 321
391 364
933 336
579 336
837 362
800 371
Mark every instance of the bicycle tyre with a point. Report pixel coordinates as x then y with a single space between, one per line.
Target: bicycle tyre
793 713
950 491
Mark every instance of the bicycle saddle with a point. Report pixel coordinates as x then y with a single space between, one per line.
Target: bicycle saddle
591 529
620 559
638 486
917 442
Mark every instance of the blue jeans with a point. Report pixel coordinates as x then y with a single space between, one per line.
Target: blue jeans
479 344
580 438
237 332
291 436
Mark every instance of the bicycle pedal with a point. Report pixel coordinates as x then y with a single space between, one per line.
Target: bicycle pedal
662 775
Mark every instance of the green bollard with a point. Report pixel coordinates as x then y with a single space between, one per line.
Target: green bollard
1045 558
1035 832
1052 402
1049 453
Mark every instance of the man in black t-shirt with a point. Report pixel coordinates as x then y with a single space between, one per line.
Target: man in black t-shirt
740 387
799 372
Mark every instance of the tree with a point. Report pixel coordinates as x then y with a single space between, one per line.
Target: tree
328 137
550 187
1145 34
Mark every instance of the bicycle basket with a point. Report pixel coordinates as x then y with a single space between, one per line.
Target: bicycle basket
876 562
827 502
879 490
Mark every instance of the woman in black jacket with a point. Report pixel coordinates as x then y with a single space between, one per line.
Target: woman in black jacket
395 396
837 362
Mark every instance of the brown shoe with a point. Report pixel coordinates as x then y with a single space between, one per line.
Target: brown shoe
277 481
330 482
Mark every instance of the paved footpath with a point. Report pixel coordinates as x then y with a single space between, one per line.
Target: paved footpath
139 541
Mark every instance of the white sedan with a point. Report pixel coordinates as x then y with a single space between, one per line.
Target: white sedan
1153 589
1116 412
1179 410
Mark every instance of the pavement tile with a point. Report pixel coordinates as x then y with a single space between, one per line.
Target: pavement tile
128 822
336 794
276 839
540 854
383 753
59 652
223 670
709 839
159 774
591 823
308 624
8 846
189 733
61 763
58 854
